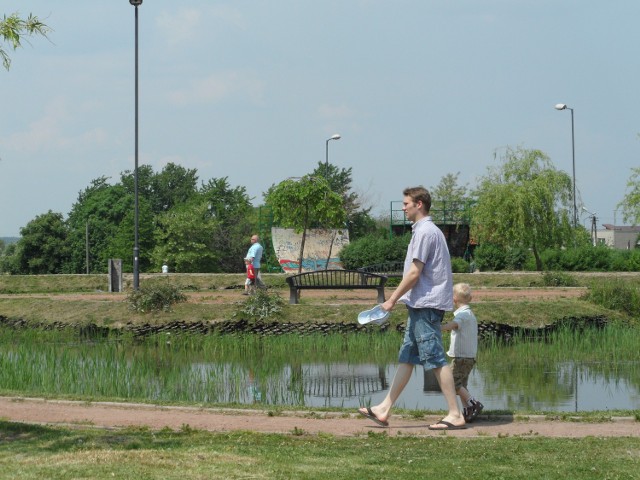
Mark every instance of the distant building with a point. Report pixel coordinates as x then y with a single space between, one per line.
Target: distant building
621 237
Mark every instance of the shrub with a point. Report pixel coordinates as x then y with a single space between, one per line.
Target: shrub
558 279
155 298
616 295
459 265
372 249
489 257
260 305
516 257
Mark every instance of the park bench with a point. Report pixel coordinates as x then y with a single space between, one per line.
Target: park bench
335 279
386 269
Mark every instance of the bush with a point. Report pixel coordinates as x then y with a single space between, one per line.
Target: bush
372 249
155 298
459 265
260 305
558 279
617 295
489 257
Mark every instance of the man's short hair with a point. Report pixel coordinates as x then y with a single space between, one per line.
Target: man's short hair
419 194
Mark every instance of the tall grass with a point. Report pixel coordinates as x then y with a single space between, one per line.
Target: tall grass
617 294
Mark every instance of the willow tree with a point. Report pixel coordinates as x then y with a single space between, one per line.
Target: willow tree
631 203
14 29
524 202
304 203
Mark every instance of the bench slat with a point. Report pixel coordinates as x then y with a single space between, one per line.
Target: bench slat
335 279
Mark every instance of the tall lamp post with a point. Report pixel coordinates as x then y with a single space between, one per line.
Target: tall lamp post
335 136
136 247
562 106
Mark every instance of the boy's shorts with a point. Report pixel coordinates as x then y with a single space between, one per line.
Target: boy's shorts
461 369
422 344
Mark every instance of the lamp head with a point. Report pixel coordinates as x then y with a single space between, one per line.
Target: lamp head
560 106
135 3
335 136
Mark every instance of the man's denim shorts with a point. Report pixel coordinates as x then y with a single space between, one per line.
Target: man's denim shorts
422 344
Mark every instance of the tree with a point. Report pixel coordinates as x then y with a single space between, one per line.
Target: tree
450 202
525 202
359 220
43 247
232 209
305 203
631 203
14 29
109 212
183 239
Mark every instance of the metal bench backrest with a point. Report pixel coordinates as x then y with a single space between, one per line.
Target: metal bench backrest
335 278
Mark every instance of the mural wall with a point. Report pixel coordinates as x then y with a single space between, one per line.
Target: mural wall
286 244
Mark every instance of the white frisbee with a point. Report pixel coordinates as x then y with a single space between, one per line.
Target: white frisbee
375 315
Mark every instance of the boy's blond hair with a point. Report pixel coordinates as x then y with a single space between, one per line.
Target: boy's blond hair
462 291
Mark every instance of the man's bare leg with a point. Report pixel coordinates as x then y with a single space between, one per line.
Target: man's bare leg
400 380
447 385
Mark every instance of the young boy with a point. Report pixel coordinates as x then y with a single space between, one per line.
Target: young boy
250 282
463 348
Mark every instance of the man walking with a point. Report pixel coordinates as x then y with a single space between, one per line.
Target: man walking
427 291
255 255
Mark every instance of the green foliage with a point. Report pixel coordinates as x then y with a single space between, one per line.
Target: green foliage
358 217
489 257
630 204
305 203
525 203
459 265
43 247
13 29
617 295
261 305
155 298
374 249
558 279
183 240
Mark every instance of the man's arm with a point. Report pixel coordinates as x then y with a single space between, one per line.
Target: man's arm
407 283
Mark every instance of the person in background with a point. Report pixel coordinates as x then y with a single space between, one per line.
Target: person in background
250 282
427 291
463 348
255 254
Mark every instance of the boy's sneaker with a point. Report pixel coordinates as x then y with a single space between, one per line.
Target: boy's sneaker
466 413
474 410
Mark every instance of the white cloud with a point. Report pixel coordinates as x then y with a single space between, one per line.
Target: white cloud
217 87
47 132
186 25
335 111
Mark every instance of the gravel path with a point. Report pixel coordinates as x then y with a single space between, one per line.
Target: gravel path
117 415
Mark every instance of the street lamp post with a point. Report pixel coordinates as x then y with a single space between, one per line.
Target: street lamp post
562 106
326 161
136 247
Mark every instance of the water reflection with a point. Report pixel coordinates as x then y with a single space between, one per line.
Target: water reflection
289 372
567 387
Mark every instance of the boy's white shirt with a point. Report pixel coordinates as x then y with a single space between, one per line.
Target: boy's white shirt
464 339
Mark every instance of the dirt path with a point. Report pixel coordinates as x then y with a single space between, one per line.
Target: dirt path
117 415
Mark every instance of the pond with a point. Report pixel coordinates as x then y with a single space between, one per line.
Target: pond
574 371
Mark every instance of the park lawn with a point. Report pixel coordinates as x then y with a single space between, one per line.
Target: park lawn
36 452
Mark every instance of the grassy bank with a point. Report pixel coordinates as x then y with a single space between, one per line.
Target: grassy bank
35 452
81 299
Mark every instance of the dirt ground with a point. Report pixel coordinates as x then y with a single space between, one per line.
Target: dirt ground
364 297
119 415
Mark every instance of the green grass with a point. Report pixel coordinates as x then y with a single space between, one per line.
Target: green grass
36 452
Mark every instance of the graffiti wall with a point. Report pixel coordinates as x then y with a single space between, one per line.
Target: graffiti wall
317 245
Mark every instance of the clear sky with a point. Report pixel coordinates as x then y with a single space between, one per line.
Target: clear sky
252 89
